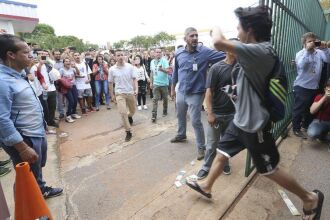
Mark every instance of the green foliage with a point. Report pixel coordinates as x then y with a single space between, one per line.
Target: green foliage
44 35
161 39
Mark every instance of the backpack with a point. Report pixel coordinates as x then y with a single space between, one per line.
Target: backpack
276 92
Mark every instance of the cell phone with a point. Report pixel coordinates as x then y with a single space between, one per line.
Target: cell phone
43 57
317 43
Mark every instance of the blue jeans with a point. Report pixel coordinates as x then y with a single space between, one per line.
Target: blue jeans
98 85
214 133
318 129
72 97
59 100
39 144
193 104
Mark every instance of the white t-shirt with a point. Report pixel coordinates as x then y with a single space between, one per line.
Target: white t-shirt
70 74
82 78
141 73
123 77
46 75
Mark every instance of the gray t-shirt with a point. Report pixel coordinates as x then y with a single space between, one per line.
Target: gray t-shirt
257 62
123 77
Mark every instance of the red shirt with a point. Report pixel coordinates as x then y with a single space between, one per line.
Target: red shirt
324 113
96 72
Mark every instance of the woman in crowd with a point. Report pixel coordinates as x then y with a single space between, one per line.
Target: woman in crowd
101 71
142 78
68 73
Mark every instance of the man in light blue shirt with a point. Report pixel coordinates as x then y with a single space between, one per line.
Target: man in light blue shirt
159 83
309 62
22 133
190 68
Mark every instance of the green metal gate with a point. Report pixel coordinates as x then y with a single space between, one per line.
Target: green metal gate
291 19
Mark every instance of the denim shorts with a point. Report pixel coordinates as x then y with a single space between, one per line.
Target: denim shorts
261 146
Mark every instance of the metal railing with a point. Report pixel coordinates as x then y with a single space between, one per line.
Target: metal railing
291 19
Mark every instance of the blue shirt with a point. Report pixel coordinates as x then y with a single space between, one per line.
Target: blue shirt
309 67
159 77
190 80
20 108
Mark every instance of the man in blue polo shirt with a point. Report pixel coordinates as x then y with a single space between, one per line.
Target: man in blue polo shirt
191 63
159 83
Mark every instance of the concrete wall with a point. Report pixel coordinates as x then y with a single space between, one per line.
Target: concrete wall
7 26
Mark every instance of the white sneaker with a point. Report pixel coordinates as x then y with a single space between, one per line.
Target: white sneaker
75 116
69 119
139 108
145 107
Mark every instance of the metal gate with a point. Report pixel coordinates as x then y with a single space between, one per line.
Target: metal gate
291 19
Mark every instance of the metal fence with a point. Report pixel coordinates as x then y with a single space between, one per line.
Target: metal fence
291 19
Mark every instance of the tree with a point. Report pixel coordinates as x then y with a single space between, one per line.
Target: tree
120 44
44 35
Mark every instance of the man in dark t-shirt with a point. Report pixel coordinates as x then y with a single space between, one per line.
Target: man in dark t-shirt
220 109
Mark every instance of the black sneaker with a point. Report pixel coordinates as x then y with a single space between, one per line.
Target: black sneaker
299 134
128 136
5 162
49 192
4 171
227 170
177 139
130 119
202 174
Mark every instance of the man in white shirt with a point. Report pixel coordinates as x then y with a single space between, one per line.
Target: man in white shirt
124 76
83 84
49 91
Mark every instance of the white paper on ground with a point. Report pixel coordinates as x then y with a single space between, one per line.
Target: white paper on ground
177 184
288 202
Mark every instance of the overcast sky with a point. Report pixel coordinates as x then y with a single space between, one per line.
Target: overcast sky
101 21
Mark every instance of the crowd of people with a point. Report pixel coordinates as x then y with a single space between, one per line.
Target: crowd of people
222 78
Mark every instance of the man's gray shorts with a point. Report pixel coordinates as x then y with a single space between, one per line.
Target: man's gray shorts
84 93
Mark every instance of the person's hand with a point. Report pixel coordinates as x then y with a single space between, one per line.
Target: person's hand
151 86
148 80
29 155
173 93
310 46
211 119
45 86
216 33
136 92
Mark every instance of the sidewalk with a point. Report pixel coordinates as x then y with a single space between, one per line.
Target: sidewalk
308 161
52 176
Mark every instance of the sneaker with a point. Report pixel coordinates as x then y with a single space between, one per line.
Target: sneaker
164 114
61 116
145 107
108 107
69 119
5 162
130 120
177 139
226 170
97 109
4 171
75 116
200 154
128 136
139 108
202 174
299 134
49 192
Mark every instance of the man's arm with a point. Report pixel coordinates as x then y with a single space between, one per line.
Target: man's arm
209 106
174 77
316 106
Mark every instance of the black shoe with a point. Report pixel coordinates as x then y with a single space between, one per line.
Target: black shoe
164 114
49 192
202 174
299 134
4 171
5 162
200 154
128 136
130 120
227 170
177 139
153 119
61 116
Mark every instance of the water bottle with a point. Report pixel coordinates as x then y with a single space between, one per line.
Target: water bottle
44 95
